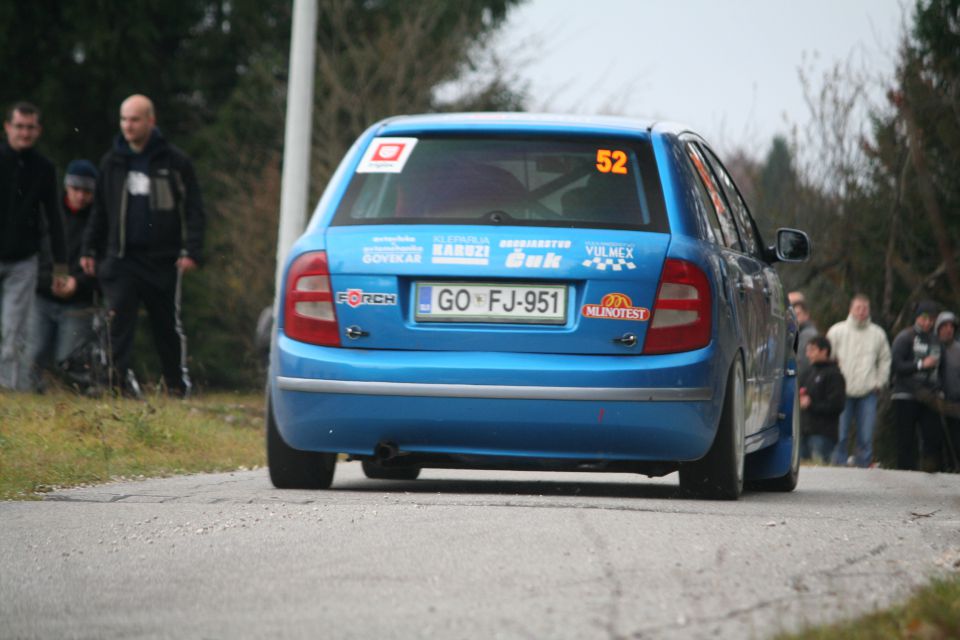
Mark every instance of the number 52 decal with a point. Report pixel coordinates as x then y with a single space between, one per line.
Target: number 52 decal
611 161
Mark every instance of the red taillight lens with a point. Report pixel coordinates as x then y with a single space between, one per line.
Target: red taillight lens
682 316
308 312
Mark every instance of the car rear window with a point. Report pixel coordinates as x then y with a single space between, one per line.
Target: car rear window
535 181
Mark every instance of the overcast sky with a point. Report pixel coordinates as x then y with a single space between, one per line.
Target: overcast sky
727 68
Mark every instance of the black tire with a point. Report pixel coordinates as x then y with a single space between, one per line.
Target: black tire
719 474
294 469
787 482
375 471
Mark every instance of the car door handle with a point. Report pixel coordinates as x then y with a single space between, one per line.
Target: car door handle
627 339
354 332
759 282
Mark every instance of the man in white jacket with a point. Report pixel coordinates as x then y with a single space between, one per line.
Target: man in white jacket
863 353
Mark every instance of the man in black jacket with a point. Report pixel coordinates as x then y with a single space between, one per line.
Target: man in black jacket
823 394
146 231
28 211
946 330
915 363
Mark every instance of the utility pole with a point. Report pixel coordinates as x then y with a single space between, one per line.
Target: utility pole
295 183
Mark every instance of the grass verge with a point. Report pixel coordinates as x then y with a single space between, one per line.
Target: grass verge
62 440
933 613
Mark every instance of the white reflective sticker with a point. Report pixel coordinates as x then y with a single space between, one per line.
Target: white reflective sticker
386 155
138 183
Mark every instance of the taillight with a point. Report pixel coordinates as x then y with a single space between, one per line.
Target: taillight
308 313
682 316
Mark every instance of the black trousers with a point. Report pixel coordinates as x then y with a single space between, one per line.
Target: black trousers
951 445
913 418
154 282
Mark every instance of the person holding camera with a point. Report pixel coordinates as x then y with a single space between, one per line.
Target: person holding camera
916 361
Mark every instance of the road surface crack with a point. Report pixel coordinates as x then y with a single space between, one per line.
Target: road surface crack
611 577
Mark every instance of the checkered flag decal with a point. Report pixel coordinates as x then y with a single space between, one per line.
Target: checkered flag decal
614 264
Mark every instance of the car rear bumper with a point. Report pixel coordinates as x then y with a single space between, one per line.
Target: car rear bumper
643 408
495 391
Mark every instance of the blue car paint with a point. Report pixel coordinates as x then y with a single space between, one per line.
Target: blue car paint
521 428
518 429
772 454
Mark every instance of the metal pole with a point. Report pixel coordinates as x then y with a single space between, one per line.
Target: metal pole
295 183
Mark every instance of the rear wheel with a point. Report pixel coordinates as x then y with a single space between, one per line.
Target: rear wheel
719 474
294 469
375 471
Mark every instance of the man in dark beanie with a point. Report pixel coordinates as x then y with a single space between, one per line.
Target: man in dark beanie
916 360
81 174
28 211
145 233
62 317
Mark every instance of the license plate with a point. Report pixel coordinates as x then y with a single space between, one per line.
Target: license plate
519 303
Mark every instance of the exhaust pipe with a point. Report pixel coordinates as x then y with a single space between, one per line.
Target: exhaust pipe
385 451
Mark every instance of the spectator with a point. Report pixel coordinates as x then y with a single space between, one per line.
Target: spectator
863 353
62 317
796 296
807 330
263 335
822 399
28 210
946 330
916 361
147 231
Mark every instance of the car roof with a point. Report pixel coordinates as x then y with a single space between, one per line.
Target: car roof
514 122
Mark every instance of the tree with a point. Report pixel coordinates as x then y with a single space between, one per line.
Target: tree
778 188
374 59
216 70
915 164
78 60
880 204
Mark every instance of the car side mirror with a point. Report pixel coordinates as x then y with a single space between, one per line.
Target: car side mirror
792 245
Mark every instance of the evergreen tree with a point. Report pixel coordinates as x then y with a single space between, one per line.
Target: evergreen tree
216 71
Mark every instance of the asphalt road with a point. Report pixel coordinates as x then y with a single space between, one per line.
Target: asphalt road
461 554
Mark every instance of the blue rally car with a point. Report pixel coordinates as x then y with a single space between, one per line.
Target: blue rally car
514 291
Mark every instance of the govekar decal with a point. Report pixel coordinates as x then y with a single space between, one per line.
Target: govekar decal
615 306
393 250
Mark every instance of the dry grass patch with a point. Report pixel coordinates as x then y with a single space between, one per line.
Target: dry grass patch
62 440
933 613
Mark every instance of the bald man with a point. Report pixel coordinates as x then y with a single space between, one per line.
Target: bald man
145 232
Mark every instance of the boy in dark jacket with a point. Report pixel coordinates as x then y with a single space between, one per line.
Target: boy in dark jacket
823 394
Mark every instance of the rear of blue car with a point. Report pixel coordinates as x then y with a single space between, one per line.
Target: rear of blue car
494 292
